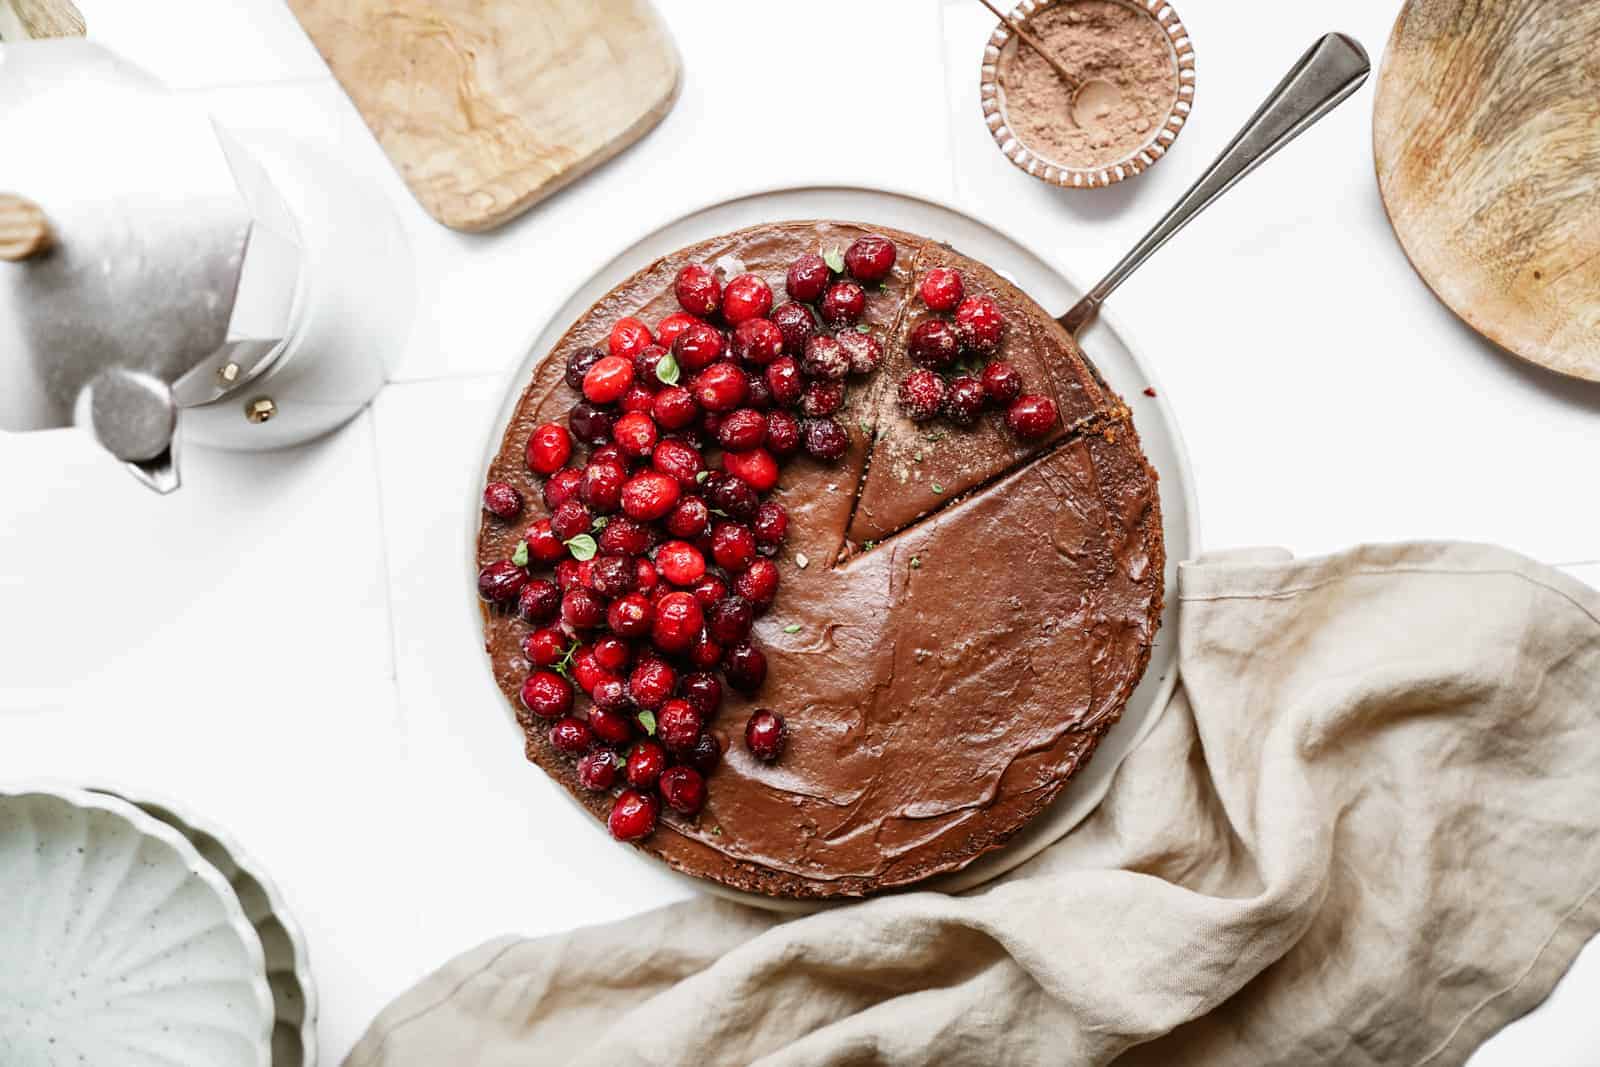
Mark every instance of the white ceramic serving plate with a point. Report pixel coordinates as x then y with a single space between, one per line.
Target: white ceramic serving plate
1107 344
121 946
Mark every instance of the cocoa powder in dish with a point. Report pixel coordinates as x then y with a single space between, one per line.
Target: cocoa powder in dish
1093 39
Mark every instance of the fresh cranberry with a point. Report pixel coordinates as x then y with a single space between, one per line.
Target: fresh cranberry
922 394
706 754
652 681
570 519
613 653
759 583
624 537
703 691
581 609
698 346
783 433
785 381
826 358
933 344
698 290
1031 416
561 487
547 694
755 467
704 652
807 278
631 615
597 772
649 495
646 372
730 621
578 365
678 724
680 563
612 727
821 399
964 402
569 573
539 601
644 578
979 324
543 544
590 423
824 439
607 380
549 448
1001 382
733 496
677 461
600 492
501 581
674 408
757 393
635 434
609 453
637 400
796 325
747 297
645 764
678 620
709 591
745 667
720 387
611 576
689 518
628 336
502 500
571 737
870 258
633 815
941 289
733 545
545 646
771 524
864 350
742 429
757 341
610 693
843 304
683 789
710 423
668 329
765 734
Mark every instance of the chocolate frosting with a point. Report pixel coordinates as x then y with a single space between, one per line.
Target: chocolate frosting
972 613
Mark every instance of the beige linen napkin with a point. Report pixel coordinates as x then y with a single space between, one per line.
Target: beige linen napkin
1366 831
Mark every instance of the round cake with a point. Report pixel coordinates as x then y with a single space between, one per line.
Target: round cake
966 593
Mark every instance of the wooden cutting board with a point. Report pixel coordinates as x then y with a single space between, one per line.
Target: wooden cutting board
1486 133
488 106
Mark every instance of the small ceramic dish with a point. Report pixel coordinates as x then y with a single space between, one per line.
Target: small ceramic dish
121 944
1064 172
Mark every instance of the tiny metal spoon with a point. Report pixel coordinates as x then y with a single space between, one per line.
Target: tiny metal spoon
1092 99
1331 70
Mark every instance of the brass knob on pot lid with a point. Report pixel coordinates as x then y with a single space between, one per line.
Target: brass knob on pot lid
24 231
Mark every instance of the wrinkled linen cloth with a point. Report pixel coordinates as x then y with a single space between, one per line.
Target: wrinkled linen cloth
1365 831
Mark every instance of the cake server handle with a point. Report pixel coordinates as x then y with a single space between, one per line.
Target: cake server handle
1331 70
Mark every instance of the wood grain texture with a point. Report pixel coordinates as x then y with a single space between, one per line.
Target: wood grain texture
488 106
1486 135
24 231
36 19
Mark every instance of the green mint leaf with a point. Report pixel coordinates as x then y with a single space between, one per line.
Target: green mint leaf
601 521
701 477
520 556
792 628
937 488
863 328
834 259
667 370
916 563
647 719
582 547
719 511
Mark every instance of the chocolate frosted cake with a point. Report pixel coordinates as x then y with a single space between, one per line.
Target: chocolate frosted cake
954 580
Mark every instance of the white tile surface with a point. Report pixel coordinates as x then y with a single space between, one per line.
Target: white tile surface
195 43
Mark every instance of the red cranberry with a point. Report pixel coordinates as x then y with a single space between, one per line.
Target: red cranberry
933 344
637 400
733 545
600 491
633 816
570 519
755 467
645 764
980 324
668 329
765 734
561 487
549 448
1031 416
569 573
771 524
704 653
539 601
678 724
635 434
703 691
649 495
674 408
698 290
631 615
731 619
683 789
652 682
757 341
870 258
590 423
624 537
757 393
571 737
824 439
610 693
821 399
1001 382
731 495
746 297
922 394
863 349
709 591
807 278
941 289
644 578
783 433
612 727
785 381
501 581
698 346
759 583
706 754
597 772
826 358
742 429
628 336
678 620
720 387
502 500
646 371
544 647
710 423
964 402
745 667
796 325
677 461
609 453
544 546
607 380
611 576
680 563
689 518
843 304
581 609
578 365
547 694
613 653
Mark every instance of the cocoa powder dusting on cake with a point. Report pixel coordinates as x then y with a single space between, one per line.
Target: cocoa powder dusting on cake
1094 39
